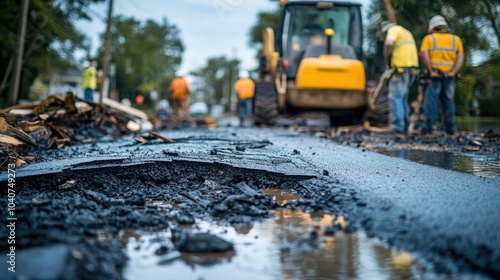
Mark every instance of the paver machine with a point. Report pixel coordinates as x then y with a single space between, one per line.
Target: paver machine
314 63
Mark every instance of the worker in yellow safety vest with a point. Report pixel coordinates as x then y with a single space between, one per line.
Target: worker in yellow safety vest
89 79
245 89
442 54
179 97
401 57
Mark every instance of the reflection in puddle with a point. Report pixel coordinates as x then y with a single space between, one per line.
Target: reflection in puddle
278 248
281 196
479 165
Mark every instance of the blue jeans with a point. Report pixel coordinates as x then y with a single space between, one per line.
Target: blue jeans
89 94
245 109
399 88
440 90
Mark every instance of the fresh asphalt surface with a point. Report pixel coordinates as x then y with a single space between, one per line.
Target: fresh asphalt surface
450 219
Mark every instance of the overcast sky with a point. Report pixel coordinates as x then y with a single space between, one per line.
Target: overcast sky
208 27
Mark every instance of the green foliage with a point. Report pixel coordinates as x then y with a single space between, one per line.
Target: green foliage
147 55
489 105
264 19
38 89
51 38
464 95
492 71
213 82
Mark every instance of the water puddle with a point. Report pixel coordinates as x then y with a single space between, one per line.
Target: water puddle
291 245
281 196
479 165
274 249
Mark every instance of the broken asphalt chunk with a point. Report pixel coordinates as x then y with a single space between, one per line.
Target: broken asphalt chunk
202 243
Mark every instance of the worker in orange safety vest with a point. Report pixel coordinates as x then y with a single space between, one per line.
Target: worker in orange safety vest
179 97
245 89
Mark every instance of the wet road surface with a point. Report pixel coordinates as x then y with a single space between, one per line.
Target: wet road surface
446 218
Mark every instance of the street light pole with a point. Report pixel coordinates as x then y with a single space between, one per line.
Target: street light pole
16 78
105 58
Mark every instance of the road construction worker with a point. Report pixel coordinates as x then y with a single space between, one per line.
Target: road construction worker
139 100
89 79
442 55
245 89
401 58
179 97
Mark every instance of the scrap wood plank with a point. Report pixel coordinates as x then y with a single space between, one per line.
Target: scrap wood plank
7 140
18 106
48 104
124 108
9 130
60 132
165 139
69 103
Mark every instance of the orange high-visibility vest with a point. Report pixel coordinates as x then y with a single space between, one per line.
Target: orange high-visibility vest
245 88
179 88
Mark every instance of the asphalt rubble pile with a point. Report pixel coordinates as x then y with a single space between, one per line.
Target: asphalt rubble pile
27 129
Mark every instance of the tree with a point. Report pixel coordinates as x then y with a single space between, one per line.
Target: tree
214 81
264 19
484 14
147 55
51 39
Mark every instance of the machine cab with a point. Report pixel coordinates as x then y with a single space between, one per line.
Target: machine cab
301 31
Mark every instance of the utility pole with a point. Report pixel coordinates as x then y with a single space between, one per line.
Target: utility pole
16 78
390 12
105 58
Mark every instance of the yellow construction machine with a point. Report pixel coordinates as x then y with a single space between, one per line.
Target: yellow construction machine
314 63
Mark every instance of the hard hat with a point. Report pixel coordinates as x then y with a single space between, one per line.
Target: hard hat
86 64
243 74
384 26
437 21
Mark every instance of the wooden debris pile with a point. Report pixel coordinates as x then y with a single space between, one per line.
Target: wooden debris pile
59 120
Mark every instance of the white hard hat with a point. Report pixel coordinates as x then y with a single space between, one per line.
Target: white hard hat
384 26
437 21
86 64
243 74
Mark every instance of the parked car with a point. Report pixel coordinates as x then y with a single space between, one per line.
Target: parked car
198 109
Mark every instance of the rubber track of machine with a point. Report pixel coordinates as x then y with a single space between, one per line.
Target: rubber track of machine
265 103
379 116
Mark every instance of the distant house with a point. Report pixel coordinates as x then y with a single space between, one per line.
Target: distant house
65 81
